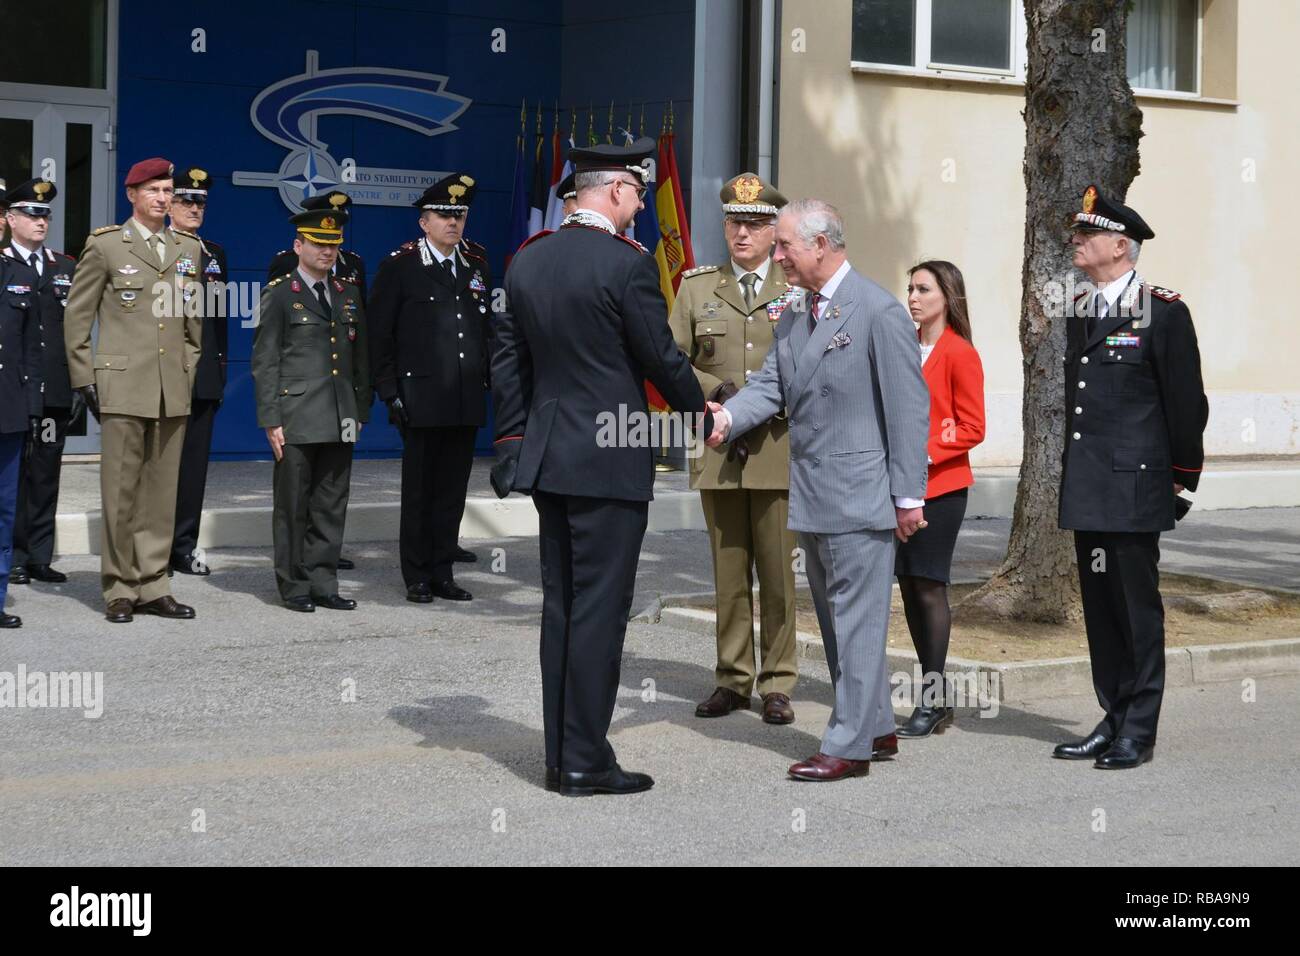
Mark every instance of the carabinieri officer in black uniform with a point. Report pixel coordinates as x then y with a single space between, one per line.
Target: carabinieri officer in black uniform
585 326
50 275
429 351
1135 414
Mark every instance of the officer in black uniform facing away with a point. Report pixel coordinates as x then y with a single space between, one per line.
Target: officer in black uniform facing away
585 326
49 273
1135 413
189 205
429 352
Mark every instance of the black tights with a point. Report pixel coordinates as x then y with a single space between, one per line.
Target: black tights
929 618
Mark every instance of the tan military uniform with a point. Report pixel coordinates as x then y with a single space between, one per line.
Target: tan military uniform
143 367
746 506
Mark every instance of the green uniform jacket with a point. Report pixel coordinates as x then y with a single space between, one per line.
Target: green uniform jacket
311 371
150 322
727 341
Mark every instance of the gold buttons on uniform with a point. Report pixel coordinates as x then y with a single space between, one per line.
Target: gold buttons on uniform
335 356
332 340
334 371
162 351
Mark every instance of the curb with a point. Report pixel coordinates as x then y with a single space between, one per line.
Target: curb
1020 681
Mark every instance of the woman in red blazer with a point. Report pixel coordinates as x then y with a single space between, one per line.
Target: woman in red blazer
936 297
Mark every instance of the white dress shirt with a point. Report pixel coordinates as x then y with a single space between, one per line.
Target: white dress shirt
25 254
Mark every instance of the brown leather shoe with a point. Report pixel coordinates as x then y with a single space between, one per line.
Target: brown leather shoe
821 768
777 709
883 747
722 702
119 611
166 606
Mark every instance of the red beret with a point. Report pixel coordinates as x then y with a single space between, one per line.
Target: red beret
147 169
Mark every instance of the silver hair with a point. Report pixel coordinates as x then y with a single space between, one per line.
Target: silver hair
815 217
1134 250
594 180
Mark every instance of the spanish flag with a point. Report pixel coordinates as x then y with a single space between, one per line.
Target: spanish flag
672 252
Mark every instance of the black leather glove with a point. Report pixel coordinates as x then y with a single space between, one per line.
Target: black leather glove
78 405
90 395
722 393
503 472
397 413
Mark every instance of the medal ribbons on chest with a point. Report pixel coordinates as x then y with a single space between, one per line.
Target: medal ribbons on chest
1123 341
779 304
185 266
18 289
476 283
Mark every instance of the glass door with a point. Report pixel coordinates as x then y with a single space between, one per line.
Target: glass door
68 145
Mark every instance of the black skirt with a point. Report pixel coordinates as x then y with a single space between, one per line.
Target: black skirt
928 553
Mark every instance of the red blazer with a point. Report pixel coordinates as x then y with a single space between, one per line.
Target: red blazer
956 380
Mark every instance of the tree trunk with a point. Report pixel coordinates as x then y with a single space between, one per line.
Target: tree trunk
1081 127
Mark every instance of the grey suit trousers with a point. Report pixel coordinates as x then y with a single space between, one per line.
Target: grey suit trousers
851 577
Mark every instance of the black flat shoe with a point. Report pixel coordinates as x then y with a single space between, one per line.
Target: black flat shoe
463 556
614 780
420 594
1090 748
346 565
926 721
190 565
18 575
448 591
1125 754
300 604
335 603
13 620
45 573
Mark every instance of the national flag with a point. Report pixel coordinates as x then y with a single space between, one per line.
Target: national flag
537 198
518 228
673 228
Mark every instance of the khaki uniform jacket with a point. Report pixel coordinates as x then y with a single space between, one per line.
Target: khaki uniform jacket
311 370
727 341
150 321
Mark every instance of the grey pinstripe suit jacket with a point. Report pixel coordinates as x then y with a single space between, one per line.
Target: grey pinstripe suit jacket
859 410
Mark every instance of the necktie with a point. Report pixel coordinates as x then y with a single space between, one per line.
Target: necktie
319 287
813 308
447 267
35 262
1098 313
747 287
155 243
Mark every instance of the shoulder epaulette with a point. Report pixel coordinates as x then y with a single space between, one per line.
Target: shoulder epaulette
405 247
278 279
632 242
536 235
1168 295
62 255
699 271
472 248
348 279
103 229
353 255
182 232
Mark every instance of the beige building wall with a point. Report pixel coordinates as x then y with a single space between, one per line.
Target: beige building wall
932 168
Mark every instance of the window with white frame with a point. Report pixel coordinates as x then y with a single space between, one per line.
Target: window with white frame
987 37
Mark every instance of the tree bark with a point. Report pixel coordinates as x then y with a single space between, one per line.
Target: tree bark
1081 127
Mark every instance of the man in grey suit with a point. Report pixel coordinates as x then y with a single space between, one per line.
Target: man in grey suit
846 368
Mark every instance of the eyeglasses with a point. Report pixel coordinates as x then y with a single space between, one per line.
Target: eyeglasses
753 225
640 189
192 201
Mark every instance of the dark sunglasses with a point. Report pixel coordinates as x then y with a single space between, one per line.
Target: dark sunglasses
192 201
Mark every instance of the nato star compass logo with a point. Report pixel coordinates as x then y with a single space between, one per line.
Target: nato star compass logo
286 113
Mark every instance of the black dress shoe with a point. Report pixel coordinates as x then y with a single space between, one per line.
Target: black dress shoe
553 779
613 780
166 606
926 721
43 572
18 575
1125 754
190 564
420 593
13 620
300 604
334 602
463 556
448 591
346 565
1090 748
119 611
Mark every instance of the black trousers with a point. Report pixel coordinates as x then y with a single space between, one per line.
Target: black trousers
38 492
589 550
311 485
436 463
193 478
1119 579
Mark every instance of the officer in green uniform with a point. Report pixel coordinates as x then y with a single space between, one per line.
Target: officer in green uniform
724 317
311 376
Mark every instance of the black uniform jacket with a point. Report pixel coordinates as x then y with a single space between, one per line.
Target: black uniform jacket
1135 414
210 382
585 326
20 348
51 291
429 334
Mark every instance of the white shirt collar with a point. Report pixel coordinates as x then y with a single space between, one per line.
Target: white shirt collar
437 255
23 252
145 233
761 271
1113 291
833 283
